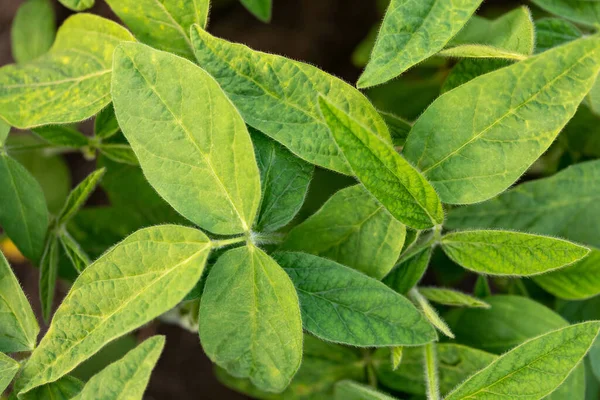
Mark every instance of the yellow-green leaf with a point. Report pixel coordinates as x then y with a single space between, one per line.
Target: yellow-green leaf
8 370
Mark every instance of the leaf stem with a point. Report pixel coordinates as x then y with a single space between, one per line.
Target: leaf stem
228 242
431 373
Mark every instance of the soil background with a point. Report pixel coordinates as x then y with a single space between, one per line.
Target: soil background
321 32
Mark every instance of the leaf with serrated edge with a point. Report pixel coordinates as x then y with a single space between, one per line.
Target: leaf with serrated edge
207 171
33 30
344 306
353 229
250 321
510 253
284 179
411 32
69 83
401 189
23 215
566 205
79 195
477 140
260 8
450 297
533 369
8 370
18 326
278 96
126 378
350 390
581 11
163 24
140 278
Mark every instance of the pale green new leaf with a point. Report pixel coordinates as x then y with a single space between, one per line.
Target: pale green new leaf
533 369
18 326
350 390
411 32
4 131
396 356
142 277
353 229
163 24
260 8
250 321
576 282
455 363
585 12
401 189
565 205
8 370
475 141
23 215
191 142
450 297
284 179
430 313
74 252
69 83
48 275
342 305
126 378
33 30
61 135
480 51
77 5
105 123
552 32
79 196
409 271
63 389
510 253
279 97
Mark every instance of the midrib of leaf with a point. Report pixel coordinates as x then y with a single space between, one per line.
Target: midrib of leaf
510 111
484 389
54 83
21 209
177 26
107 317
191 139
380 140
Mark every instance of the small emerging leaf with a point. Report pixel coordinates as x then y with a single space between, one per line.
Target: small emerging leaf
449 297
33 30
126 378
510 253
79 196
74 252
120 153
396 356
430 313
48 275
388 176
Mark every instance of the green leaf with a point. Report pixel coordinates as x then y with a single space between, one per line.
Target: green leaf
481 51
580 11
552 32
396 356
4 131
564 205
61 135
23 215
390 178
208 171
18 326
105 123
63 389
450 297
120 153
48 275
284 179
260 8
68 84
344 306
127 377
8 370
469 69
353 229
409 271
74 252
323 364
79 196
411 32
510 253
163 24
250 321
278 96
512 33
33 30
430 313
472 143
399 128
140 278
576 282
350 390
455 363
545 361
482 287
77 5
